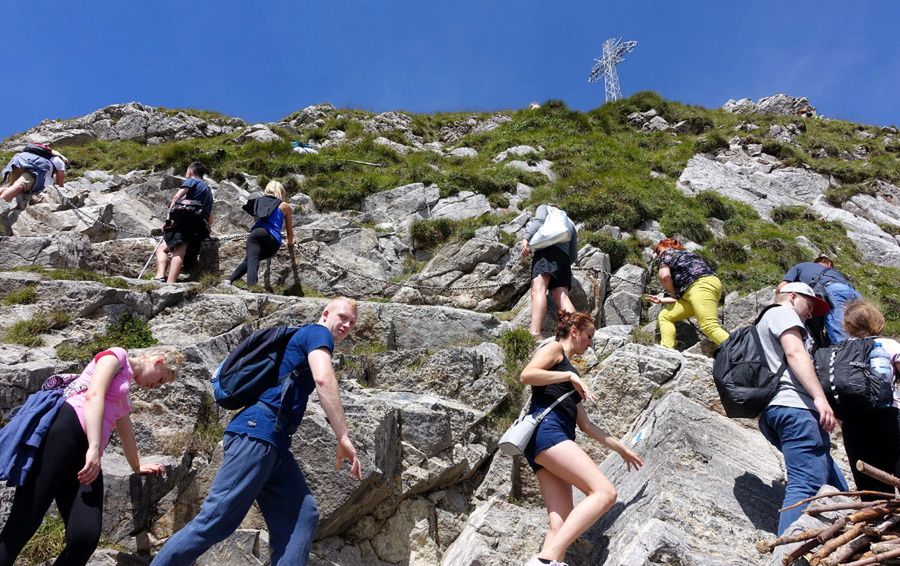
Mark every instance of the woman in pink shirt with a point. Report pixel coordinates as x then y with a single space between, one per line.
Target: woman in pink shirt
66 467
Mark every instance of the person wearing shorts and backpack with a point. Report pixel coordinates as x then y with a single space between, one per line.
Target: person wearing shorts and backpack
27 173
552 453
66 467
551 268
187 225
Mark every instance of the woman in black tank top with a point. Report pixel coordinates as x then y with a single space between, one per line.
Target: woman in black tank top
553 453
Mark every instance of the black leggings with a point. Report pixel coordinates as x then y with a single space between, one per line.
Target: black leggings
873 437
260 245
53 476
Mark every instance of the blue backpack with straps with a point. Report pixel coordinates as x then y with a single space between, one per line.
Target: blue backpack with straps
252 368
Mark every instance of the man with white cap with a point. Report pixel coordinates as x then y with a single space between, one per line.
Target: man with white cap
798 419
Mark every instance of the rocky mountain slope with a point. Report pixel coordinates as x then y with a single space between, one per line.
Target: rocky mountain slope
415 216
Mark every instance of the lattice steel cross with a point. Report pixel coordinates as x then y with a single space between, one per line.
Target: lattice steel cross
614 51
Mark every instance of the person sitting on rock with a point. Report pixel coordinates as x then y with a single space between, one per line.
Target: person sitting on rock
798 419
264 238
873 436
833 285
552 453
258 465
187 224
551 268
66 467
692 289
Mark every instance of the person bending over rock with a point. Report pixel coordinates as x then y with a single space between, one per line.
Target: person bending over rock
66 467
692 289
874 436
187 224
557 461
27 173
258 465
798 419
833 286
551 268
264 238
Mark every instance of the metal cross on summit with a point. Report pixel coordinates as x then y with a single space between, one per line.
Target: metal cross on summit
614 51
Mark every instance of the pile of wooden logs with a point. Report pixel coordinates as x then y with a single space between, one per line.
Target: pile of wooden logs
869 533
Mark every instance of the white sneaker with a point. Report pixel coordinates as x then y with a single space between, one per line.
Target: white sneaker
536 562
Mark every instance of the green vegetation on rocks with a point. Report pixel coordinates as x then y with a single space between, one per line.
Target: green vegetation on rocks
128 332
28 332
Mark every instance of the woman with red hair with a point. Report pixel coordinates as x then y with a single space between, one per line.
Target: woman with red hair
557 461
692 289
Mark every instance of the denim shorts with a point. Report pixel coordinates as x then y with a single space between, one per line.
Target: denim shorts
552 430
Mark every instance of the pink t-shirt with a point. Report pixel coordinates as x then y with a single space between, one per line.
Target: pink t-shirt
117 403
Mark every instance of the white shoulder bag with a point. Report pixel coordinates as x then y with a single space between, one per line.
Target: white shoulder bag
554 230
516 438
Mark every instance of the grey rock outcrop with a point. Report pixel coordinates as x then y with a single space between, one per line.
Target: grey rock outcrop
775 104
132 121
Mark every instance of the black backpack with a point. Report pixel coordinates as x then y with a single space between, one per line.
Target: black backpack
186 212
39 149
252 368
261 207
851 387
743 378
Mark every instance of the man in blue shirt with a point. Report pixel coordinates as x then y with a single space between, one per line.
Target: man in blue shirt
183 239
821 274
257 464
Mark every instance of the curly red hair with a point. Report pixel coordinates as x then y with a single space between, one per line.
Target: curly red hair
668 244
566 321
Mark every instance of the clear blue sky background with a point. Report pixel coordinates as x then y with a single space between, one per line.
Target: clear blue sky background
263 60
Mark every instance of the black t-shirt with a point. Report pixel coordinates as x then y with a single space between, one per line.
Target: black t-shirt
544 395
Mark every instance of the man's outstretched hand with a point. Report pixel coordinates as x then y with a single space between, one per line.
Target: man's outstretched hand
346 451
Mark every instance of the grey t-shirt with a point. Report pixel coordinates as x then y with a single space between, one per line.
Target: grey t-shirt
774 323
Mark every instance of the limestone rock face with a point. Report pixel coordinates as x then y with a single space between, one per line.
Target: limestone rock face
775 104
132 121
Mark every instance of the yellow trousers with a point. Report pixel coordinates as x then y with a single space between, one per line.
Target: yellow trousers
701 300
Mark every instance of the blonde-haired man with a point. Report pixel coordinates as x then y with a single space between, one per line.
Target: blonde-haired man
257 463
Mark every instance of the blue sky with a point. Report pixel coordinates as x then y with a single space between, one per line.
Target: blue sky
263 60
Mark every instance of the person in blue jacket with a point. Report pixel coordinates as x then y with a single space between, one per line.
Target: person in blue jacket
265 238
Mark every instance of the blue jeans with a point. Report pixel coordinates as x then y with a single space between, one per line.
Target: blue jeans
251 470
839 295
807 456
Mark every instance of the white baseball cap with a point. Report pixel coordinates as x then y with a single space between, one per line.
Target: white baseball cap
821 306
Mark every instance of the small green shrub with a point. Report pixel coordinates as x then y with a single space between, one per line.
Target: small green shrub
838 195
782 214
728 251
617 250
689 223
28 332
429 233
518 345
499 200
47 543
129 332
735 225
715 205
24 296
711 143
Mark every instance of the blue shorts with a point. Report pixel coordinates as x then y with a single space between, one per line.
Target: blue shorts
552 430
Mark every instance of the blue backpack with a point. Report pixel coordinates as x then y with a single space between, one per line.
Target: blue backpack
252 368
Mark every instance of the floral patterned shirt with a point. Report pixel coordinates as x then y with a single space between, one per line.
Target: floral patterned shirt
686 267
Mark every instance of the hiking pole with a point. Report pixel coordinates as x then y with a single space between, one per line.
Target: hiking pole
149 259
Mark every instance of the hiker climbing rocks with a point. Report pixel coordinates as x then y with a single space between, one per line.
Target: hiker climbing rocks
553 238
258 465
271 213
66 467
831 285
187 224
798 419
26 174
557 461
873 436
692 289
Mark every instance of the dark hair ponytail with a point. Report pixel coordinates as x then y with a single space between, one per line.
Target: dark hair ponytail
566 321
